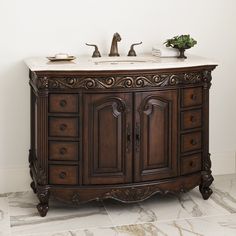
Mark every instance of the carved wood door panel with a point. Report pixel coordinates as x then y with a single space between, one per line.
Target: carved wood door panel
107 138
155 135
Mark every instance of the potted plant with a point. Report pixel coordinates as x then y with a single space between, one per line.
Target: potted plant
181 43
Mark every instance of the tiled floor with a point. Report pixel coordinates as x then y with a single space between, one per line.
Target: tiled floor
185 215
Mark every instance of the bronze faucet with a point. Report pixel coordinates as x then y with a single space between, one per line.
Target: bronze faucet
96 53
131 52
114 47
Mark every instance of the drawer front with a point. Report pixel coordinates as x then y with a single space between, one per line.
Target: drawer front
191 164
63 127
63 174
191 119
63 103
63 151
191 141
191 97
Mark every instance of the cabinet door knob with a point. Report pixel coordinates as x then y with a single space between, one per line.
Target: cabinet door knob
62 175
63 103
63 151
128 142
193 142
63 127
137 137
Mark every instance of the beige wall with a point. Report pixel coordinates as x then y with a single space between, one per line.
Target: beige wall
41 28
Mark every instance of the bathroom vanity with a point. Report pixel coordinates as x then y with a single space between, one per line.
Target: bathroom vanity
119 128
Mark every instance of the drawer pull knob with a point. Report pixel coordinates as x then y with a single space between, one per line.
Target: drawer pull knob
194 97
63 103
193 119
63 127
62 175
193 142
63 151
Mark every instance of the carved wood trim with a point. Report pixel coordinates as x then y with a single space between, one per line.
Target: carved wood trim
133 194
125 194
112 82
41 176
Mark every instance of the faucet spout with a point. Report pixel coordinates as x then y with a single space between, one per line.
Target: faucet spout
114 45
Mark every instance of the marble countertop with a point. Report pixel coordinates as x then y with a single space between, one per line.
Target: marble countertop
116 63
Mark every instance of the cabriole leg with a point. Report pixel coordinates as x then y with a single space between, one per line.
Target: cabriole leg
43 196
207 179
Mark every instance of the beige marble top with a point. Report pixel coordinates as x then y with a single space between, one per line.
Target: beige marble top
116 63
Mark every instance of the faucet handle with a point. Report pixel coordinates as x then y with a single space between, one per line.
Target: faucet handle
96 53
132 53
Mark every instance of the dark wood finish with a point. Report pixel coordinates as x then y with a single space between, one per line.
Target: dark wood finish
191 164
62 127
191 141
63 151
126 193
192 97
155 135
191 119
124 135
63 174
63 103
207 177
107 138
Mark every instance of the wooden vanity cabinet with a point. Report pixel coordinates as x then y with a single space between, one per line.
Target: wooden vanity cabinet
124 135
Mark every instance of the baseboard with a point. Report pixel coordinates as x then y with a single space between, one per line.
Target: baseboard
14 179
18 179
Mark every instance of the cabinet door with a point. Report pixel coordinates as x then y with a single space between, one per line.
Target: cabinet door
155 135
107 138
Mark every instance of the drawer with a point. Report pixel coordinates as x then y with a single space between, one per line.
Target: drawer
191 141
191 97
63 174
191 164
191 119
63 103
63 151
63 127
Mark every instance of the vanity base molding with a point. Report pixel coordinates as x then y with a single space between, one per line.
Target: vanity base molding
129 193
125 135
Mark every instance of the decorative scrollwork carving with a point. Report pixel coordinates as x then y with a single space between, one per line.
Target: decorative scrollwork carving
43 83
149 80
41 176
75 199
135 194
43 196
207 178
207 79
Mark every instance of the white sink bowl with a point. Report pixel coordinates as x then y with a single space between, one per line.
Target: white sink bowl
124 60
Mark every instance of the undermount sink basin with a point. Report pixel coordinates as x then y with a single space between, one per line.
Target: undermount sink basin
124 60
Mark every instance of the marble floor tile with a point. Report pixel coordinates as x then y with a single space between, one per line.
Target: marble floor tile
25 219
110 231
159 208
183 215
121 213
4 217
203 226
224 188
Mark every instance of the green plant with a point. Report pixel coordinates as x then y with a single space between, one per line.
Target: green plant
181 42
